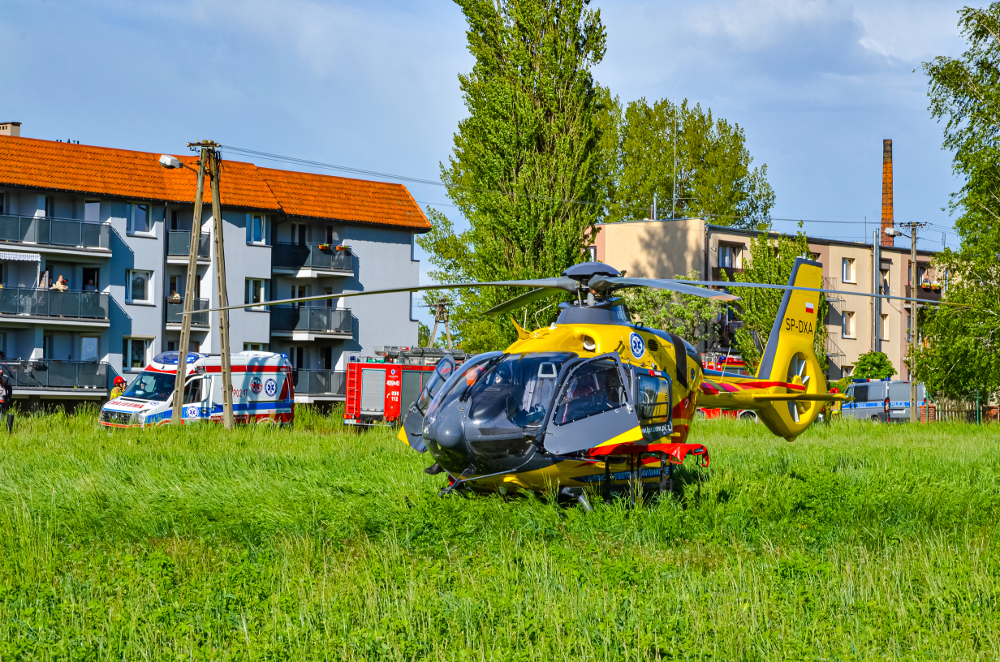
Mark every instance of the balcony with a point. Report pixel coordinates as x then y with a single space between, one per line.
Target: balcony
927 294
78 378
176 306
179 247
312 260
53 306
329 383
55 232
310 322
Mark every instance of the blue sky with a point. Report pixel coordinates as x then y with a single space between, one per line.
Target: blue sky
815 84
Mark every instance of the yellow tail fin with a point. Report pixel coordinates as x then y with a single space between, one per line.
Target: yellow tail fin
790 357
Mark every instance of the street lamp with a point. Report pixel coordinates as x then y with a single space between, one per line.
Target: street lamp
893 232
172 163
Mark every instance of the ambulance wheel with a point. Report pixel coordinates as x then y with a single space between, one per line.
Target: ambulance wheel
876 419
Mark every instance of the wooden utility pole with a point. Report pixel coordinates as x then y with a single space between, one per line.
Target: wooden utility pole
914 412
441 315
220 278
176 415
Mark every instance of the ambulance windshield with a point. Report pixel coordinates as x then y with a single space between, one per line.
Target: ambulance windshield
151 386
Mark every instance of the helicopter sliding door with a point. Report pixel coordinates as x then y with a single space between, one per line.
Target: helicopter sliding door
593 405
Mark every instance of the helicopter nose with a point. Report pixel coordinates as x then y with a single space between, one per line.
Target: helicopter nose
445 439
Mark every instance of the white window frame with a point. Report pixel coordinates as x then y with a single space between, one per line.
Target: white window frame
127 352
884 328
848 327
149 287
847 272
848 370
260 286
265 227
130 219
256 347
733 251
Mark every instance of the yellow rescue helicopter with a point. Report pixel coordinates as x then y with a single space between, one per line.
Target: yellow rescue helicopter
594 400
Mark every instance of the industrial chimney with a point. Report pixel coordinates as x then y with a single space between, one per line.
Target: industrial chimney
887 192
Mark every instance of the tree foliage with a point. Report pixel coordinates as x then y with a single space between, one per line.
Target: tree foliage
962 353
646 149
688 316
770 261
524 171
873 365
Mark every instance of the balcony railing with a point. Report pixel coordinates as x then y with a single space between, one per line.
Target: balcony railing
54 232
176 306
320 382
53 303
179 243
312 319
311 256
88 375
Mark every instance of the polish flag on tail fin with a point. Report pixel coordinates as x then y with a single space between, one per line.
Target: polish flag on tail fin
809 308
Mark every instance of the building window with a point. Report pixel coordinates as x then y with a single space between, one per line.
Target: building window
137 218
847 331
89 348
48 352
884 273
848 370
92 211
49 203
728 256
134 353
3 345
257 229
256 290
847 270
3 200
255 347
138 286
883 329
299 233
909 319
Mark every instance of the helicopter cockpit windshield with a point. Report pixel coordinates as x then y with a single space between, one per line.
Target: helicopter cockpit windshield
516 392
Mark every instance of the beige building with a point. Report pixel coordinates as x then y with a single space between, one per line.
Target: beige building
665 249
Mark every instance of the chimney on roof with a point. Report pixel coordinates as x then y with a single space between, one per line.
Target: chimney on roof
887 221
10 128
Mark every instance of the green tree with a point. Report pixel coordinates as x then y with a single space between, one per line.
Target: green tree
525 171
961 357
873 365
647 149
688 316
770 261
423 335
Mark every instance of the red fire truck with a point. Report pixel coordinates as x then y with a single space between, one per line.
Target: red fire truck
381 388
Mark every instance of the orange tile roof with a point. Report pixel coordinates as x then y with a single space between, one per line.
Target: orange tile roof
104 171
324 196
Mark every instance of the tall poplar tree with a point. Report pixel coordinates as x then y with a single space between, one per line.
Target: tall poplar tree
524 170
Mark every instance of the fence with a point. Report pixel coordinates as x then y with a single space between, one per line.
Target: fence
316 382
176 306
179 243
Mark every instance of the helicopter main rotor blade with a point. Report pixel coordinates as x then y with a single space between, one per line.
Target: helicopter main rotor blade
523 300
768 286
545 284
610 283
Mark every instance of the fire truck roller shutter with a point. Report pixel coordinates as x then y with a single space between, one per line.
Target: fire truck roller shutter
373 390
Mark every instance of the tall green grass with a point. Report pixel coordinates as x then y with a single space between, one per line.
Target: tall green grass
855 542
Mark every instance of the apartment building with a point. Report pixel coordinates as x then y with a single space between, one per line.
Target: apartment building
94 245
669 248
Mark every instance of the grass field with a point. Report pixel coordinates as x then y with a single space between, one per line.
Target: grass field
855 542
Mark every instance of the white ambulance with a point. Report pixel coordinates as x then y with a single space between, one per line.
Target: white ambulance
263 391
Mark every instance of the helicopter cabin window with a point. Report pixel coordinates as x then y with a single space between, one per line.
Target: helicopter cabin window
595 388
653 405
518 388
